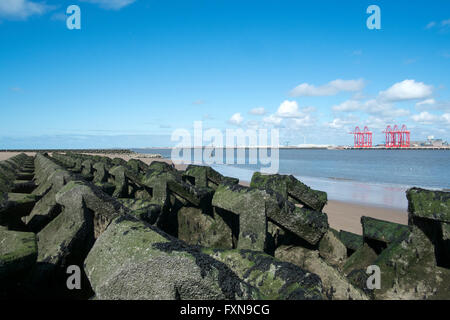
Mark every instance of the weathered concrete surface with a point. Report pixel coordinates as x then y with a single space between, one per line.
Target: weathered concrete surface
409 270
143 209
332 250
204 176
197 196
434 205
291 189
335 285
14 206
196 227
156 183
382 230
351 240
103 207
120 181
305 223
67 239
46 209
250 205
363 257
100 173
133 260
276 280
18 252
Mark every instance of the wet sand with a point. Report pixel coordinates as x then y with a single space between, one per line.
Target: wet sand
347 216
341 215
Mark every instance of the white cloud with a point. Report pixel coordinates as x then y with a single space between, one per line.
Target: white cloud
348 106
430 25
339 123
424 118
258 111
288 109
297 123
289 116
425 102
111 4
236 119
273 119
445 22
406 90
446 118
374 122
373 106
376 107
198 102
330 89
22 9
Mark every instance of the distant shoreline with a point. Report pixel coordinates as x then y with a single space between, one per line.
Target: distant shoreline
130 150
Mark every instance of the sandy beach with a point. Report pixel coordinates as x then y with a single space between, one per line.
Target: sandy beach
341 215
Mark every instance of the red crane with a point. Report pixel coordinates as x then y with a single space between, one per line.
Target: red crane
397 138
362 139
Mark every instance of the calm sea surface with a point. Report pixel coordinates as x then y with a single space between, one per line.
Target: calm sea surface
372 177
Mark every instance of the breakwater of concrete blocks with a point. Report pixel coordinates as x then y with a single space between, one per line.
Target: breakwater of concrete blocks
139 231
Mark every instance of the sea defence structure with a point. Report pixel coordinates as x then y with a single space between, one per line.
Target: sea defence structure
139 231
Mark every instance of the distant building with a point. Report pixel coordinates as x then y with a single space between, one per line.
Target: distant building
431 142
436 143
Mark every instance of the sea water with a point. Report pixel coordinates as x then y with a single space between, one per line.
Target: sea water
370 177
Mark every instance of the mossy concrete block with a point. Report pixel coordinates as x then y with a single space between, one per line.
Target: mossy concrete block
24 176
275 279
381 230
23 186
14 206
161 166
197 175
18 253
100 172
144 209
135 261
335 285
195 227
250 205
445 231
205 176
351 240
197 196
120 181
409 271
156 183
137 166
428 204
67 238
332 250
103 207
87 169
46 209
363 257
307 224
291 189
118 162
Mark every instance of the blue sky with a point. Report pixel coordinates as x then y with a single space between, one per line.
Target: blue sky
138 70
